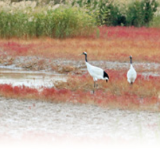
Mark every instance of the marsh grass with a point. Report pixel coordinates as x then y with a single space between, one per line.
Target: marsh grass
112 43
61 22
71 18
121 13
117 84
155 22
141 13
142 43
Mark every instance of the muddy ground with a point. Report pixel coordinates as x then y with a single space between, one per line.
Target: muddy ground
35 63
29 121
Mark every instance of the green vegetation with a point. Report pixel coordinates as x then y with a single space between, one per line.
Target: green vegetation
140 13
155 22
58 23
72 18
113 13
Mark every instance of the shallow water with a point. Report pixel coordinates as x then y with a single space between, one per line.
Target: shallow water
17 76
35 79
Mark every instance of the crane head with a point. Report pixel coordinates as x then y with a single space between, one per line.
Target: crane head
85 53
130 59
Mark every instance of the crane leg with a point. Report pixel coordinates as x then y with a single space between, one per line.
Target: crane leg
94 86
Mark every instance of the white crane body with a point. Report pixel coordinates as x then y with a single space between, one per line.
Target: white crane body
131 74
95 72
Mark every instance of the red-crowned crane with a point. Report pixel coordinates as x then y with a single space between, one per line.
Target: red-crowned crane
131 74
95 72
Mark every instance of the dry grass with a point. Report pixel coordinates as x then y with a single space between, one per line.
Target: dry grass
114 43
117 84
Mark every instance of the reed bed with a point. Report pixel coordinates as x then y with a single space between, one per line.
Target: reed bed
73 18
27 20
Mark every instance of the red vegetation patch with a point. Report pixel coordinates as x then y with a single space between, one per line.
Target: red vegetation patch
117 85
129 32
101 98
18 91
52 94
13 47
113 43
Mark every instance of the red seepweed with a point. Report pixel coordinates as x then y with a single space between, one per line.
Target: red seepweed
100 98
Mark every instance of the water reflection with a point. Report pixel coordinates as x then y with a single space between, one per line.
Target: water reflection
35 79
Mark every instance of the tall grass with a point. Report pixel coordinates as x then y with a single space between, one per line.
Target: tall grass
106 12
113 13
155 22
71 18
140 13
53 22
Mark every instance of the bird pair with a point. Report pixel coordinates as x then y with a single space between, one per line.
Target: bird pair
98 73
